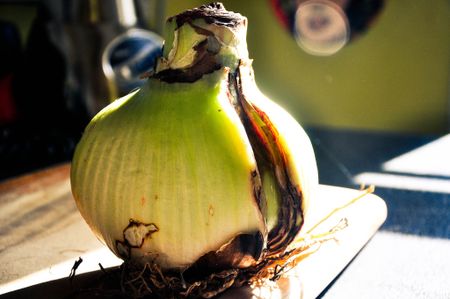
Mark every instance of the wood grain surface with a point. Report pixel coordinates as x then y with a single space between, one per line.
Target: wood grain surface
42 234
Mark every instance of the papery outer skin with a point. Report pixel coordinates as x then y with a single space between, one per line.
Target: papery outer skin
156 157
177 56
183 52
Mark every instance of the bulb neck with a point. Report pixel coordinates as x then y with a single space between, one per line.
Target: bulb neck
200 41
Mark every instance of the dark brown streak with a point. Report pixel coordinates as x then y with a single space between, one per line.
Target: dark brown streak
290 214
233 96
255 177
291 197
288 225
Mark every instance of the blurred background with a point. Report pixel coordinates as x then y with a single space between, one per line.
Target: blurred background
370 65
393 75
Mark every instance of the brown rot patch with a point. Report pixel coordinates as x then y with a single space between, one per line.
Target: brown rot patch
136 232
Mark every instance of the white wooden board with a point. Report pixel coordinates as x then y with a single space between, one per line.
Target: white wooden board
42 234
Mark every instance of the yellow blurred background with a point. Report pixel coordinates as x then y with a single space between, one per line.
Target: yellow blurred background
395 77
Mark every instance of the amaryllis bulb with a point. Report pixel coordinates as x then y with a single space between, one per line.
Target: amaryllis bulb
197 172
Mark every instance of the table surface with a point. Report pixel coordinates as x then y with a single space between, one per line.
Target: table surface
409 257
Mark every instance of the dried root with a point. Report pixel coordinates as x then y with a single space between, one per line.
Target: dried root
153 282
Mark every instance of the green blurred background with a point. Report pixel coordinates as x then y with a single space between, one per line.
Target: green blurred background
394 77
